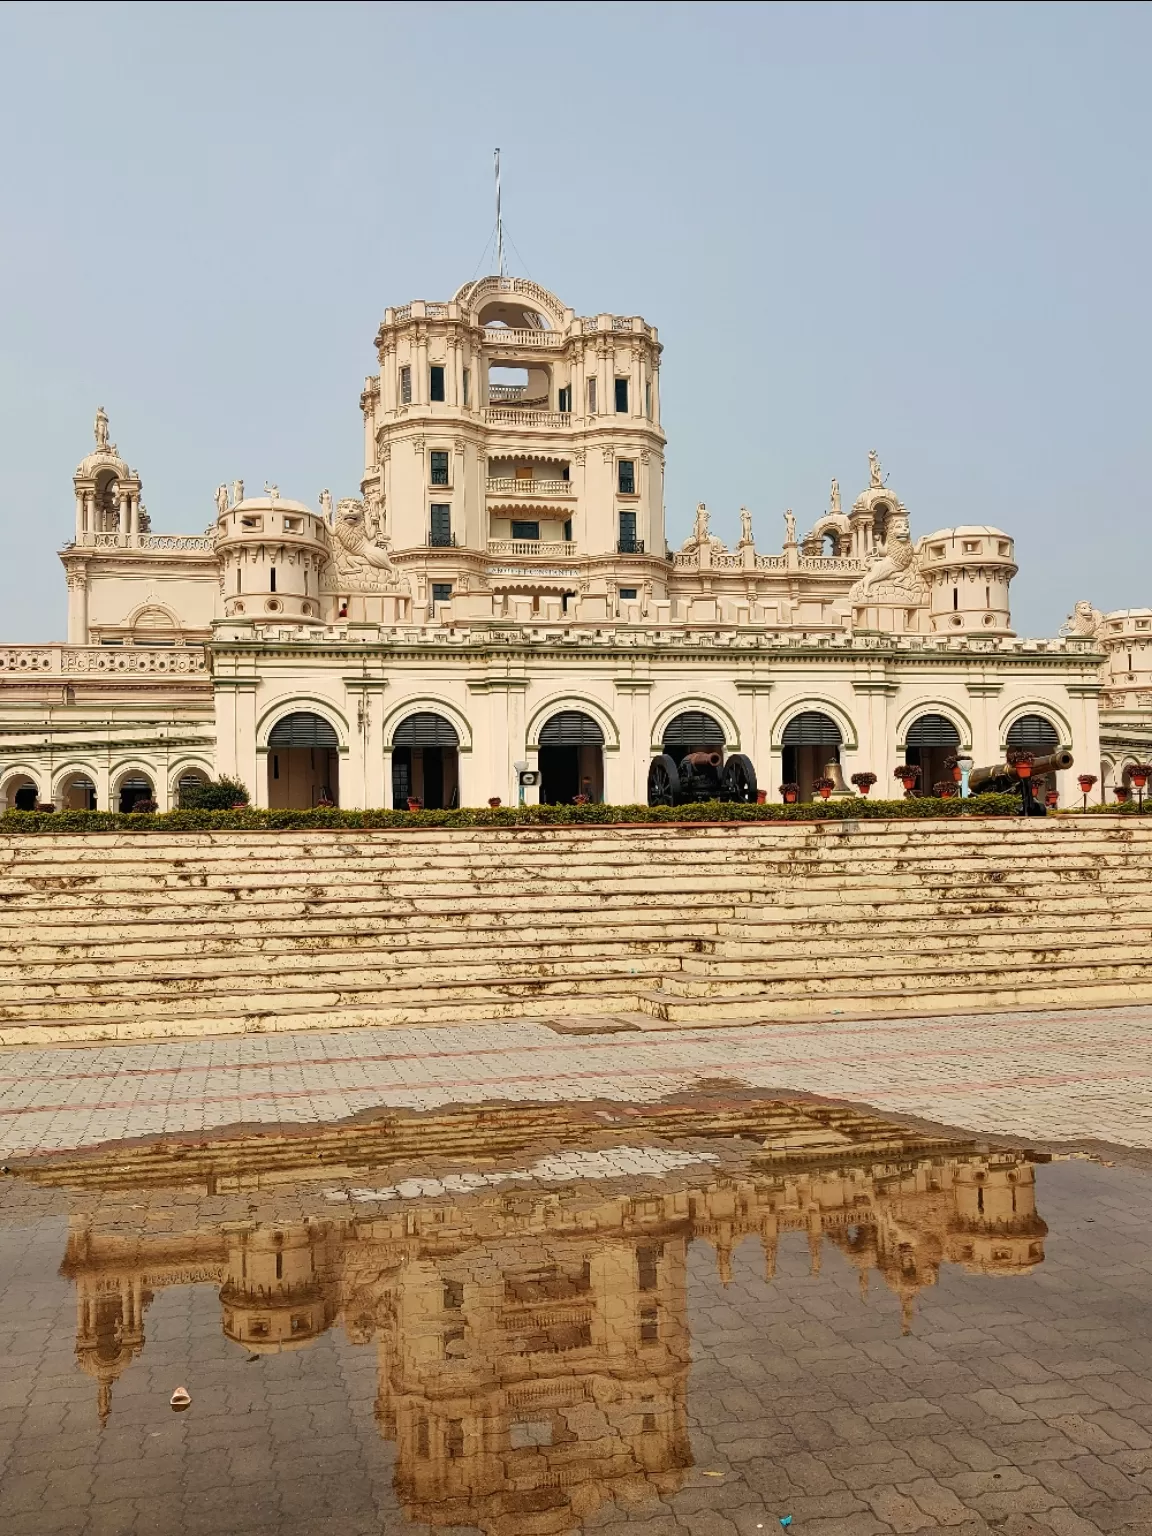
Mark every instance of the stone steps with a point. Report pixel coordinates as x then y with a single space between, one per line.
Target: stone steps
131 935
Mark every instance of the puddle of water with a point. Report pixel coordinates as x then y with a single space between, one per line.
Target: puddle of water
712 1320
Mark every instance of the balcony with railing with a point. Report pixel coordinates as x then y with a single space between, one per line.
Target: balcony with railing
439 539
525 416
545 549
629 546
528 490
499 336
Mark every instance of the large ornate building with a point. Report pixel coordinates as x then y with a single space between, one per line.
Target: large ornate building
501 597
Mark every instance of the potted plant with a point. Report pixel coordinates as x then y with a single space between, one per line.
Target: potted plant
1052 799
1021 759
863 781
413 803
953 765
1086 782
493 801
946 789
790 793
1121 793
909 776
824 787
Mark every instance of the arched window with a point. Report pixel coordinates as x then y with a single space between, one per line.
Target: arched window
692 731
933 731
302 730
812 729
1034 732
426 730
425 762
571 728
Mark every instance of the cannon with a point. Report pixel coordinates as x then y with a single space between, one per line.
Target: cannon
701 776
1004 777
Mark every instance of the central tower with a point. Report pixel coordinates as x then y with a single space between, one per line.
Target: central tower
515 451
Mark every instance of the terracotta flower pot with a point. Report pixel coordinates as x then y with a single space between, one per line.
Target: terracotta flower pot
865 789
494 801
413 803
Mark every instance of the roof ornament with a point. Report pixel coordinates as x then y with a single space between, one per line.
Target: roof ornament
501 265
834 507
272 491
875 473
101 428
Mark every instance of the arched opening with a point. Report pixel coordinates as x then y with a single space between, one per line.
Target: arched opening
190 780
78 793
1039 735
132 788
931 739
1035 732
303 763
21 793
811 743
571 758
426 763
879 523
692 731
830 544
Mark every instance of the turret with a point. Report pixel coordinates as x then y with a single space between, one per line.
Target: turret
271 555
968 571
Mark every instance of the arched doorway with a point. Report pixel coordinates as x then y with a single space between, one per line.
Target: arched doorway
931 739
77 793
191 780
692 731
133 787
1039 736
21 793
571 758
426 763
303 762
811 741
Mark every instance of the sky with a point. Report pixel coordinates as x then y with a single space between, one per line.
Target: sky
923 229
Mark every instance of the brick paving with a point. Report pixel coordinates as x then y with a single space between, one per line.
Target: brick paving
1048 1076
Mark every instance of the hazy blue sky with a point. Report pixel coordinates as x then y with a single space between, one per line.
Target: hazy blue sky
919 228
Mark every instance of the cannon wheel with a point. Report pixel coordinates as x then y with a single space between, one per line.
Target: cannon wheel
663 781
738 780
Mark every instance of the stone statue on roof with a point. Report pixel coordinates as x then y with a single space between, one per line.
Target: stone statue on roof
101 427
875 473
834 502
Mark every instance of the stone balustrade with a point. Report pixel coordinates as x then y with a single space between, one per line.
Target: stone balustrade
504 485
509 415
550 549
500 338
149 541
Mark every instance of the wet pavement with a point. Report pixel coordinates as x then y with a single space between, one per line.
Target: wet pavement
702 1316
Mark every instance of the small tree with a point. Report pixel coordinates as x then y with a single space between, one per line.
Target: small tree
216 795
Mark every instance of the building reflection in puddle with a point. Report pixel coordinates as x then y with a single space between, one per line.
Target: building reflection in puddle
533 1344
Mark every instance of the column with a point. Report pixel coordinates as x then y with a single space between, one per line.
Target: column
124 500
90 511
80 517
420 390
77 605
134 514
635 385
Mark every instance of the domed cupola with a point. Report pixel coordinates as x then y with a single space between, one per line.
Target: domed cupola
272 553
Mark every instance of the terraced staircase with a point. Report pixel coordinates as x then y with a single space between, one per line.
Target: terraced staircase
153 934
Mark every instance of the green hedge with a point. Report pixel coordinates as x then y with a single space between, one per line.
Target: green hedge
253 820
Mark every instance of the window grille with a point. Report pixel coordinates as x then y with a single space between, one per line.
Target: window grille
812 729
302 730
1035 733
933 731
426 730
571 728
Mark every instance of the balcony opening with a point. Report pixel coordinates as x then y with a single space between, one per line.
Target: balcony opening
621 397
568 531
564 398
528 387
436 383
628 543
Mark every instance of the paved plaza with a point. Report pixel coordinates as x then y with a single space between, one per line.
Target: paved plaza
1055 1076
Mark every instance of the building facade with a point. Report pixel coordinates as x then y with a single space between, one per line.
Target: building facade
501 596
